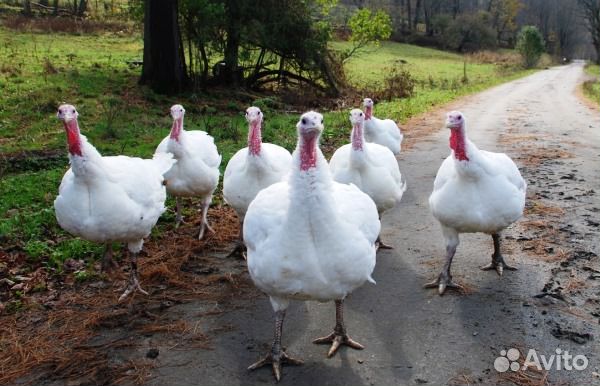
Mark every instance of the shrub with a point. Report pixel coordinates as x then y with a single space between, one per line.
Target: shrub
530 45
399 83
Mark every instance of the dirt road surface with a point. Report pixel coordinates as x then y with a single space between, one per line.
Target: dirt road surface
412 335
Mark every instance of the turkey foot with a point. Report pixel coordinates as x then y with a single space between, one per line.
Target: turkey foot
240 247
381 245
239 250
443 281
134 281
339 336
498 262
203 227
499 265
108 264
277 356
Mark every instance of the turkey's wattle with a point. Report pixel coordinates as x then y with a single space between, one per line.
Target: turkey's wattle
357 136
73 139
308 151
368 112
457 143
254 137
176 128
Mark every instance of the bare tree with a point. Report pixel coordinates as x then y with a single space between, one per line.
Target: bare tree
566 28
591 13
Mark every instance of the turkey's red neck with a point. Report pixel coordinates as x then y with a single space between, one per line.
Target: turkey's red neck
176 128
458 143
308 151
368 112
73 138
357 136
254 138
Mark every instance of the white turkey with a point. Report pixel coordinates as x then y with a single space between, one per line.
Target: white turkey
196 173
370 166
310 238
382 131
109 199
474 191
252 169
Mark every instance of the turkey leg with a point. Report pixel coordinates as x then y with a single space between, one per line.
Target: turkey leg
380 244
498 262
134 281
178 216
339 336
277 356
444 280
107 260
204 225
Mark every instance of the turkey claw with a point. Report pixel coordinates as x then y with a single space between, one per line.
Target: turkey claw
441 283
276 360
336 339
499 265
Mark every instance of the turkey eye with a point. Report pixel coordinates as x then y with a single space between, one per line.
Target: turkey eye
59 111
459 118
259 113
303 121
73 111
321 121
360 114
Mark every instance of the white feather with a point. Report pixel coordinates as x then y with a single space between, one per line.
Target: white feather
247 174
196 172
483 194
373 169
117 198
309 237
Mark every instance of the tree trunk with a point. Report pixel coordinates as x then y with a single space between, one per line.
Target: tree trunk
55 8
27 7
231 74
204 58
408 14
82 8
455 8
418 7
164 63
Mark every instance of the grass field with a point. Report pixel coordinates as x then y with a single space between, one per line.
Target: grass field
40 71
592 88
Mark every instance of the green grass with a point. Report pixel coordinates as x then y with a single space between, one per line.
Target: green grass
40 71
591 88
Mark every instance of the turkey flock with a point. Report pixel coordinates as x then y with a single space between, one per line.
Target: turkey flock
309 228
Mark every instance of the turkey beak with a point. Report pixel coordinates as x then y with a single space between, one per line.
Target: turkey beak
452 125
67 117
316 129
